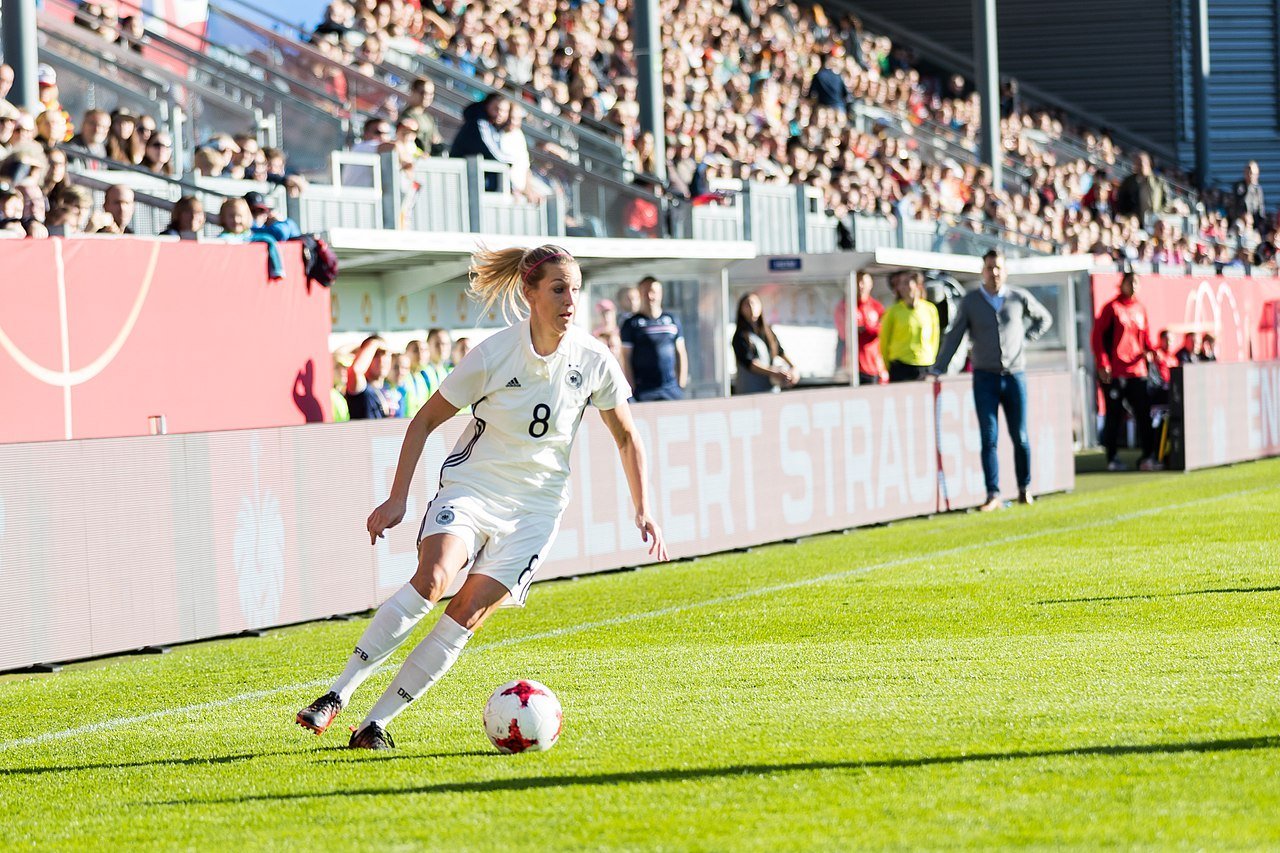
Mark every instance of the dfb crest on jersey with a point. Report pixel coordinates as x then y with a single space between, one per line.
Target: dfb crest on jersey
444 516
574 379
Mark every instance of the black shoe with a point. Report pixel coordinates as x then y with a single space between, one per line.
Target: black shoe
319 714
372 736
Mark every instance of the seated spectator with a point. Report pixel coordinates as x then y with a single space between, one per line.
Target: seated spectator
212 158
51 127
407 154
187 219
338 399
236 221
1165 358
1190 351
606 317
92 137
378 138
63 221
145 130
123 143
397 377
56 177
515 150
159 154
23 171
481 131
119 205
437 365
367 393
461 347
628 302
9 115
1208 348
416 388
421 95
11 222
265 220
47 91
249 159
613 340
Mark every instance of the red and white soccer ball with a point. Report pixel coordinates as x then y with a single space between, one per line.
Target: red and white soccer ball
523 716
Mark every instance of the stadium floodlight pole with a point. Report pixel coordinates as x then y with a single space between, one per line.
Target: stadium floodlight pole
19 40
1200 88
649 85
986 66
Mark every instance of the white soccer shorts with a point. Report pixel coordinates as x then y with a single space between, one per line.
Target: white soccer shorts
507 548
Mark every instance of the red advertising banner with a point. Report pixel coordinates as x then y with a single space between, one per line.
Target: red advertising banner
1239 312
107 546
98 334
1231 413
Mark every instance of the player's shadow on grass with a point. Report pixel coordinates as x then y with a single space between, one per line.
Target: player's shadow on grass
1223 591
673 775
216 759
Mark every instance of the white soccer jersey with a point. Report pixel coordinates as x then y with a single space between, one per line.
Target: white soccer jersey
525 412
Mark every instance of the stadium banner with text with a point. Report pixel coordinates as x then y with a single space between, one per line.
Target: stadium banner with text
1230 413
117 544
1241 313
99 334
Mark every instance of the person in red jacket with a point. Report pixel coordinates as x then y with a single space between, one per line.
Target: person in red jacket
1122 346
871 369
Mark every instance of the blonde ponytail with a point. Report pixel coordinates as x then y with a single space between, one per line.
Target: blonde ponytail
498 277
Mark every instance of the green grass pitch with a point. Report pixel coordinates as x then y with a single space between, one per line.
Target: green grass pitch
1099 670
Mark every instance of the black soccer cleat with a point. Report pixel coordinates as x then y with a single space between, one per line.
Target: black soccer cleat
372 736
319 714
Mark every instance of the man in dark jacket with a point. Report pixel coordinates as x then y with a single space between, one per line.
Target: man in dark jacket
1246 197
828 87
1142 193
482 126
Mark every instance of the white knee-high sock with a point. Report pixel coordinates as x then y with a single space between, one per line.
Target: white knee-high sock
390 626
424 666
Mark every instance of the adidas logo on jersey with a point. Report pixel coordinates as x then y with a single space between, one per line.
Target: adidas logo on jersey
514 383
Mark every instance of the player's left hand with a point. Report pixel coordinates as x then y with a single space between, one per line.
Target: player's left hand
652 533
389 514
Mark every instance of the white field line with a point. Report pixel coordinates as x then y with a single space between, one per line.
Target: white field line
118 722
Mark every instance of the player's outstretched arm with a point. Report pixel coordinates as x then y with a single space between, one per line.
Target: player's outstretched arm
631 452
429 417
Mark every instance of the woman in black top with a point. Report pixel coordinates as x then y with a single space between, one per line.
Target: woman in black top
762 365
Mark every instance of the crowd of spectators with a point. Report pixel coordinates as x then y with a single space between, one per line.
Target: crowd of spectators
764 91
372 380
755 90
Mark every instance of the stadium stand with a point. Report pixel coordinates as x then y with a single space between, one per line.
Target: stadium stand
789 126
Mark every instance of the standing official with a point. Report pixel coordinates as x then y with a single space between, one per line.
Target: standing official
1000 321
909 331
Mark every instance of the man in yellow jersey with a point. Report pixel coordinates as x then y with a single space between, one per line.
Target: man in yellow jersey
909 333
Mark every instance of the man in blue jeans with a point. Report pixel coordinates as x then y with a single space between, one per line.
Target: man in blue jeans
1000 321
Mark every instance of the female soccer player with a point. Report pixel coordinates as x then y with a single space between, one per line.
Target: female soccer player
504 487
